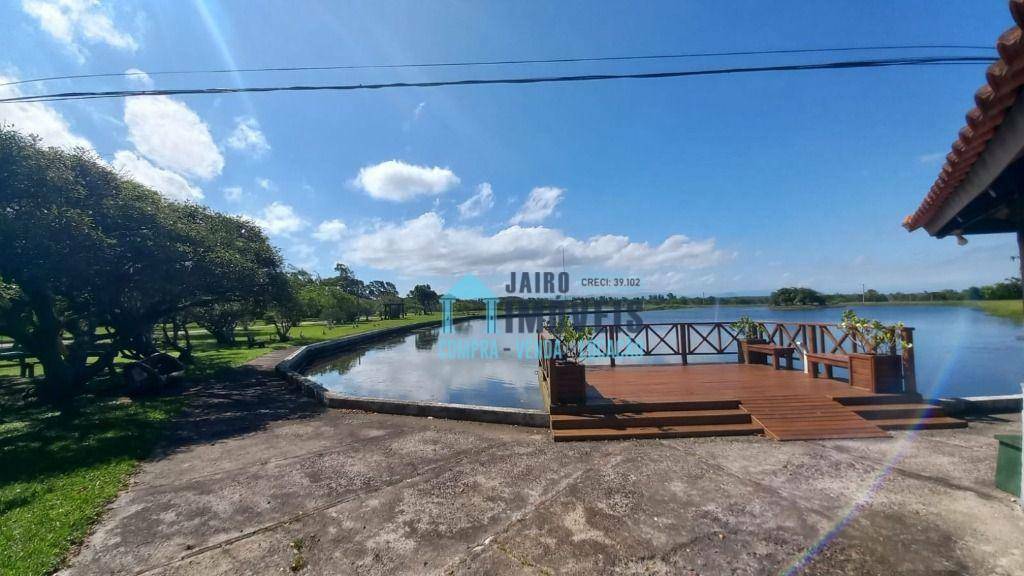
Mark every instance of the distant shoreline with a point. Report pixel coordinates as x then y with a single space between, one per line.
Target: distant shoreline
1010 309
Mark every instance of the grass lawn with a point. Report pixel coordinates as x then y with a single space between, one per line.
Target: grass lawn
58 469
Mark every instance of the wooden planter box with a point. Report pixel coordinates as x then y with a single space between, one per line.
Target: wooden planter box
568 383
745 357
880 373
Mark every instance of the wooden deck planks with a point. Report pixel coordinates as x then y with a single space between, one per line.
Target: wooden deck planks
789 405
675 400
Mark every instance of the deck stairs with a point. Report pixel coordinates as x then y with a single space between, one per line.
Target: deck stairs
781 417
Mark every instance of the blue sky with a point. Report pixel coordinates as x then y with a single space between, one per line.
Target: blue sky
737 184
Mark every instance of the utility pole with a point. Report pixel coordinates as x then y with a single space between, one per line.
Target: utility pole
1020 258
863 296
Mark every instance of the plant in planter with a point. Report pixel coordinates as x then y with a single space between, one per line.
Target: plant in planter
568 374
879 367
749 332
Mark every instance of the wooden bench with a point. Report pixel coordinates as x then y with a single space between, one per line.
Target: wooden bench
830 361
26 368
776 352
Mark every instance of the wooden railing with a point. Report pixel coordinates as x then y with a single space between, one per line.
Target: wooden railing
684 339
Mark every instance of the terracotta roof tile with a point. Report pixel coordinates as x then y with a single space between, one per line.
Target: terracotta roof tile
1004 79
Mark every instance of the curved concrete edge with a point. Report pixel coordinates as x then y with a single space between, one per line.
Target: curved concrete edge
289 369
980 405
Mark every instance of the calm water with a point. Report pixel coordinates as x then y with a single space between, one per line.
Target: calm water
959 352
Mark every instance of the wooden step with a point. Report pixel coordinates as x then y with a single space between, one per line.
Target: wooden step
937 423
898 411
649 419
875 399
827 435
656 432
640 407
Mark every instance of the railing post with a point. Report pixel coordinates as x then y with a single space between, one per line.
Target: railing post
681 339
613 343
909 375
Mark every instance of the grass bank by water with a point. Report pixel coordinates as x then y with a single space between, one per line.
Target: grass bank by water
59 468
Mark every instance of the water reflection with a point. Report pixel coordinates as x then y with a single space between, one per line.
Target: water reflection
410 367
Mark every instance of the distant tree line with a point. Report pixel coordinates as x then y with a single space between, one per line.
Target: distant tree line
1008 289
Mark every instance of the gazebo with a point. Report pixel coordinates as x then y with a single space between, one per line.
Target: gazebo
469 287
979 190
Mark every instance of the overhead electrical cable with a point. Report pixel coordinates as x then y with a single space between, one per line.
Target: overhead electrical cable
622 58
837 65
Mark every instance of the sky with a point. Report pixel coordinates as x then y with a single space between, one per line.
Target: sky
734 184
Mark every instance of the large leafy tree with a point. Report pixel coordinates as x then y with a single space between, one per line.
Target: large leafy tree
425 296
91 256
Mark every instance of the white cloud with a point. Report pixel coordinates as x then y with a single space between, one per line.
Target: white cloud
424 245
303 256
330 231
478 203
248 138
397 181
166 182
539 205
278 218
418 111
73 21
37 118
265 183
172 136
136 76
233 193
932 158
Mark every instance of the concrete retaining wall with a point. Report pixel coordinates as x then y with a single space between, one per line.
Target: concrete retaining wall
291 370
980 405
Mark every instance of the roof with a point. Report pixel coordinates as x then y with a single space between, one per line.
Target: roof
1003 81
469 287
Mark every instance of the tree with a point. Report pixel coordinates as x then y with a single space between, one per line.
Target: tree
347 281
796 296
339 306
95 257
381 290
425 297
287 308
222 319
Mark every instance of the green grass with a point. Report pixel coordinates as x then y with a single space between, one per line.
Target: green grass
58 469
1011 309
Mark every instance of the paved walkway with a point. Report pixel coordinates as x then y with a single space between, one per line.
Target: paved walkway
257 480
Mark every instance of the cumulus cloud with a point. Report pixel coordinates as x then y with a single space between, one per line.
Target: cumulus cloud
425 245
478 203
279 219
138 77
73 22
397 181
172 136
330 231
541 203
232 193
166 182
37 118
248 138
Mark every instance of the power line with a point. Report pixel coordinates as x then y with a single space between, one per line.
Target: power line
507 62
839 65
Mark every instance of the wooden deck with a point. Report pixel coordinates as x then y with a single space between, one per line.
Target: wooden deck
729 399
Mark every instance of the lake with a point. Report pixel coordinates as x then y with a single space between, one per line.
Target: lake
960 351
